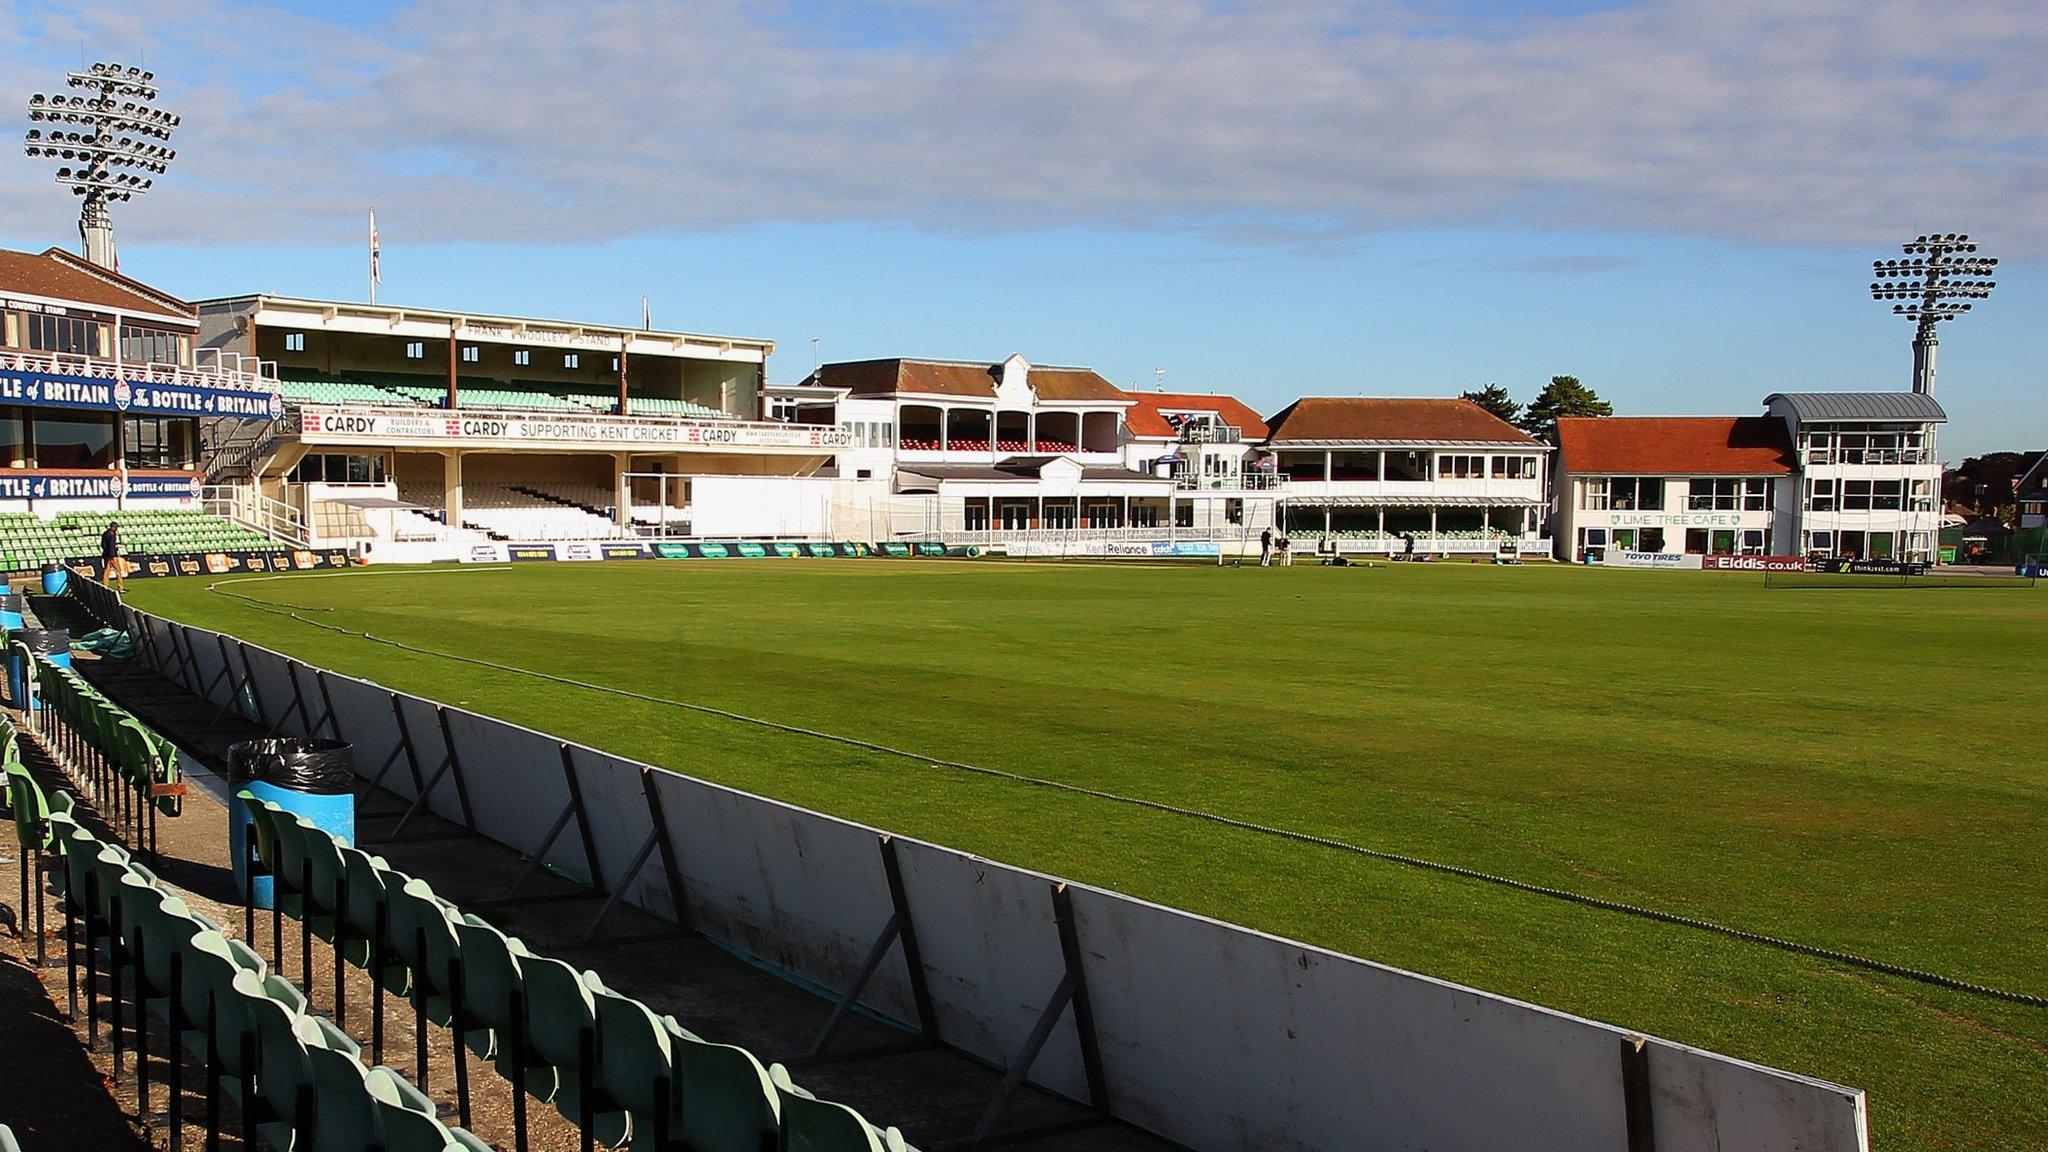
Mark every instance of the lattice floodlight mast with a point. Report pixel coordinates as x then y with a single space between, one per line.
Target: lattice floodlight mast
109 135
1936 281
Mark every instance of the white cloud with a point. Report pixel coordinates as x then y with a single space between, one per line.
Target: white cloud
1828 121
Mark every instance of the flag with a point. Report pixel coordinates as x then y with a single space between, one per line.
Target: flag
376 258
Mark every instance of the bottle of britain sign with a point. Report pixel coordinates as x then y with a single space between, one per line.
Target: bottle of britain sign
150 397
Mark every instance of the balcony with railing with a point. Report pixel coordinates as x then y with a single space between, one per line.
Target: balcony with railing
1211 434
1249 481
213 369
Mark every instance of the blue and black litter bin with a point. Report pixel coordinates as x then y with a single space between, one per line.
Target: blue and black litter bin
12 607
55 643
311 779
56 578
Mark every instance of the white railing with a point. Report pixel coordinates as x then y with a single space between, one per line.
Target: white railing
1240 482
1211 434
1395 544
246 506
995 536
222 370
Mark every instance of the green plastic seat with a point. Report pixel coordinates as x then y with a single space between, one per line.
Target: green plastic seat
560 1012
813 1125
492 973
634 1057
367 894
732 1103
408 1117
423 934
346 1115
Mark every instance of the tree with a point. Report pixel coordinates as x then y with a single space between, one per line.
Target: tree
1495 399
1984 485
1563 396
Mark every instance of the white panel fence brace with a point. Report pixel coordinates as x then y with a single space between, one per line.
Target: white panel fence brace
1209 1034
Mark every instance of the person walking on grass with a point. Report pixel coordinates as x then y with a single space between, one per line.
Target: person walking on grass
112 569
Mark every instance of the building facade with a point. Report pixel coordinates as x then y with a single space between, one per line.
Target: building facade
104 397
1391 475
1834 474
1674 486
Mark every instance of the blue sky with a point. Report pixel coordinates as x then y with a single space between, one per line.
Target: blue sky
1675 201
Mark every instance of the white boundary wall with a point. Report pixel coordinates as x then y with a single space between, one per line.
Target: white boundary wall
1216 1036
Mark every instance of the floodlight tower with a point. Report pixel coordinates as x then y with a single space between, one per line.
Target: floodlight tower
108 132
1939 277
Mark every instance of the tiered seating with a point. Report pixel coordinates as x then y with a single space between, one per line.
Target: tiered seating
29 541
130 772
506 512
294 1076
917 444
307 386
669 406
1013 445
423 389
622 1072
1055 446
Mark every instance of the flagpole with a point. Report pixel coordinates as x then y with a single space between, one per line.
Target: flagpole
375 273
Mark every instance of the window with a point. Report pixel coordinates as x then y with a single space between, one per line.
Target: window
1593 494
572 360
1625 539
1713 496
1650 540
67 335
1462 467
339 468
1233 511
1820 495
1645 492
522 356
975 518
159 441
415 350
293 341
1754 542
1923 496
1872 495
471 353
1820 542
1756 495
1514 467
615 363
75 440
151 345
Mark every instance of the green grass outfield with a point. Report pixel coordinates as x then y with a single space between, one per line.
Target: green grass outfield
1857 769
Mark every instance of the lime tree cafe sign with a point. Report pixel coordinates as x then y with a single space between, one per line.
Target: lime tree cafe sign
141 397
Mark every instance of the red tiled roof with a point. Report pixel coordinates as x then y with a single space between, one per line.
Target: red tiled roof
1321 419
1675 445
952 378
1146 416
58 275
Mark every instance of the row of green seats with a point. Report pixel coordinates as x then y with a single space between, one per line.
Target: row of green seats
621 1071
131 771
293 1075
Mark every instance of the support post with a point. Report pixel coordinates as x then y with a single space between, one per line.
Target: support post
1635 1094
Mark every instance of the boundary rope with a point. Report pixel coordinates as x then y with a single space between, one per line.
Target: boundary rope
1658 915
